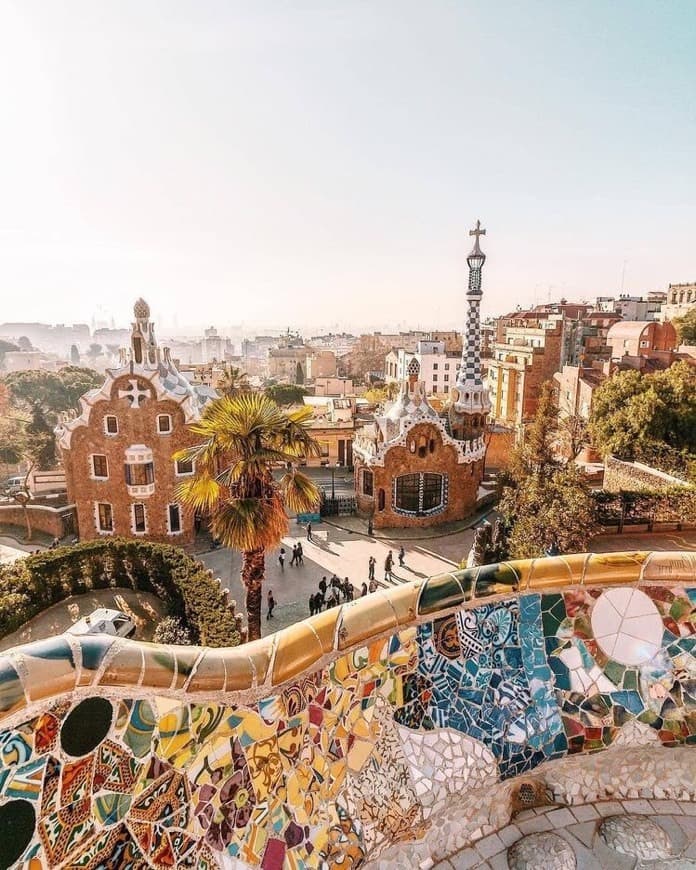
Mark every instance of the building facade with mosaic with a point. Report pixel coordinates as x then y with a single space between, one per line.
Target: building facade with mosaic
118 451
415 466
530 709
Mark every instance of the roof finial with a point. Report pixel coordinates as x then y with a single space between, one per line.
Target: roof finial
477 231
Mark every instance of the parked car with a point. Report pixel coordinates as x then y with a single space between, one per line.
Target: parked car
105 621
12 485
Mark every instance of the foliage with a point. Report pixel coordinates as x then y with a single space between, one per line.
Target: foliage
249 435
386 393
650 418
544 502
673 504
286 394
233 381
5 347
686 327
39 445
55 392
171 630
30 585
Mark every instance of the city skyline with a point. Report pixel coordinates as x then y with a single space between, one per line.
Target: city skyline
322 165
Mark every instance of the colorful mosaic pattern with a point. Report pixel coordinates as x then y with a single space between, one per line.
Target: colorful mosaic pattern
333 766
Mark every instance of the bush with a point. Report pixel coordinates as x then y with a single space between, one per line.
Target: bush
30 585
171 630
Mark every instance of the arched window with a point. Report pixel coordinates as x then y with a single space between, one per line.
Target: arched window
380 500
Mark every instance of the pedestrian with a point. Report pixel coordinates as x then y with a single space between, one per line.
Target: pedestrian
363 590
300 553
332 600
197 520
348 590
373 585
293 560
281 559
271 604
312 606
388 565
309 532
369 527
402 553
322 589
371 568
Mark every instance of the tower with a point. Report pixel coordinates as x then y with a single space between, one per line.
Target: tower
469 400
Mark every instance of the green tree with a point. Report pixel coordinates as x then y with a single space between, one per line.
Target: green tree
77 380
686 327
74 355
286 394
233 381
545 502
651 418
93 351
55 392
248 436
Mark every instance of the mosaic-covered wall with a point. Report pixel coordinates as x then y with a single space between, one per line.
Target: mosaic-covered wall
344 735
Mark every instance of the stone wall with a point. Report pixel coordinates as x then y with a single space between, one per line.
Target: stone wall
501 442
56 522
620 475
393 729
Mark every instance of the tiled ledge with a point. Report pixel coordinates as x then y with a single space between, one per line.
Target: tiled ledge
66 664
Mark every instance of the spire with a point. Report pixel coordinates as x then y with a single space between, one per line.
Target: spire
471 393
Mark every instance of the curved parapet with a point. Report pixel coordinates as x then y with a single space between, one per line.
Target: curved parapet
348 736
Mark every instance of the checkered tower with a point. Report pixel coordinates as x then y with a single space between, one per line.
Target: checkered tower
471 394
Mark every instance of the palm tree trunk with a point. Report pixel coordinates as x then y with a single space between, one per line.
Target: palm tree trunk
253 570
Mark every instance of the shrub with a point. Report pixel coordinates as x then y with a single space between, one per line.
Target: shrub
171 630
188 589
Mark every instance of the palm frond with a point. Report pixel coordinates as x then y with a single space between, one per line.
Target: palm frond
200 492
250 523
299 492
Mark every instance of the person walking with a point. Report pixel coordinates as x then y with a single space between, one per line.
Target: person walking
309 532
271 604
363 590
300 553
281 559
388 565
371 568
322 589
293 560
402 553
312 606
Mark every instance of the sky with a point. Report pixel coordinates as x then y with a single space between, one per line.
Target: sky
320 163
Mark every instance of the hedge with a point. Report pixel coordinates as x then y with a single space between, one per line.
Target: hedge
673 504
186 586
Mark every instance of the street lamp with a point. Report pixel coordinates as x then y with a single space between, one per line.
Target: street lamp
333 479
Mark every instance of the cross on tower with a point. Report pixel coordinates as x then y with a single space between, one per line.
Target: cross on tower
134 393
477 231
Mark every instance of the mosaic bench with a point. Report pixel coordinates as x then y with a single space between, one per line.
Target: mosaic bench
392 730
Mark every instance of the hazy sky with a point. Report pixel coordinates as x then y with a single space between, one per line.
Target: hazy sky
322 162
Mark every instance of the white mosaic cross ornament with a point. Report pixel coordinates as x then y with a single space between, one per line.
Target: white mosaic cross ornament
135 394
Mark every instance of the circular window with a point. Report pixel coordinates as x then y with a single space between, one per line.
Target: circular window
86 726
17 821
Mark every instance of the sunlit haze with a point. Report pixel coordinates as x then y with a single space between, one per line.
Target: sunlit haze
320 164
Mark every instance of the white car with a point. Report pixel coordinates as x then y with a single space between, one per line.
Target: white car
104 621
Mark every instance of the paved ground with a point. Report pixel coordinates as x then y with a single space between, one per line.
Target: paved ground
346 550
334 550
144 609
11 549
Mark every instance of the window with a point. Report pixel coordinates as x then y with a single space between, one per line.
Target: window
324 448
380 500
434 378
111 425
140 474
139 518
100 466
164 424
407 492
434 366
184 466
174 517
446 377
368 482
105 518
419 494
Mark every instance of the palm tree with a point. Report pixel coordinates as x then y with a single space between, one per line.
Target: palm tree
244 438
233 381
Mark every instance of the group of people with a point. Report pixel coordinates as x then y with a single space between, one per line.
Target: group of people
330 594
297 556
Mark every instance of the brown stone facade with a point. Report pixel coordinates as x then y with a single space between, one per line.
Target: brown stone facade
424 452
156 424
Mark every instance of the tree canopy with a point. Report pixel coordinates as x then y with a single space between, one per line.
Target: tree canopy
286 394
686 327
55 392
648 417
545 502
